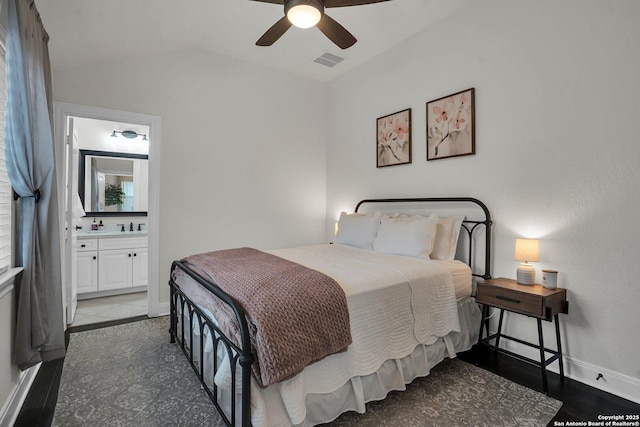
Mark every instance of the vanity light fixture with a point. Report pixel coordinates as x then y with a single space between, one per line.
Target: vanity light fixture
130 134
527 250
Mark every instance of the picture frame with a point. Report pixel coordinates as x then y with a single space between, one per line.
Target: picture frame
451 126
393 139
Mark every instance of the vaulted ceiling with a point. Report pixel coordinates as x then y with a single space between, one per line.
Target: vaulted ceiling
86 32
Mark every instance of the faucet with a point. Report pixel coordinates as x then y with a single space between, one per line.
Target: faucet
131 227
140 226
120 225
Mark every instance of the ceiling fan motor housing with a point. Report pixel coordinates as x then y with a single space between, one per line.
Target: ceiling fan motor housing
309 13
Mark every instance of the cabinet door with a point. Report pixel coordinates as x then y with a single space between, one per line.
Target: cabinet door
140 267
114 270
87 268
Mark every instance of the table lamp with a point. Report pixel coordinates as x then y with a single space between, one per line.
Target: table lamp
527 250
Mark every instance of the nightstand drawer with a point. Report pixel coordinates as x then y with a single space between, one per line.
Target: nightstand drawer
518 302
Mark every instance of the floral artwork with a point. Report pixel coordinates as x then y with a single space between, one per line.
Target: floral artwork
394 139
450 126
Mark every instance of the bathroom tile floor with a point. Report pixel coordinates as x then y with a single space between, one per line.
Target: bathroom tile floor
110 308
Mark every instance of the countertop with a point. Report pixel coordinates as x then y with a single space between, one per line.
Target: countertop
109 233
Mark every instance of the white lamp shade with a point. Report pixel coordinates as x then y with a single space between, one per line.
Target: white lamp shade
304 15
527 250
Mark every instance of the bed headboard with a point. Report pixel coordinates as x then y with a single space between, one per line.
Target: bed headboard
476 248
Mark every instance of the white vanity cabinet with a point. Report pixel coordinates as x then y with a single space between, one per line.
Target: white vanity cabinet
121 264
114 269
87 256
118 258
139 268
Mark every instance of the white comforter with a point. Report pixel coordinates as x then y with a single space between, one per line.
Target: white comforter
395 303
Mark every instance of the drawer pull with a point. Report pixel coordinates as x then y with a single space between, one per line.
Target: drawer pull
83 246
517 301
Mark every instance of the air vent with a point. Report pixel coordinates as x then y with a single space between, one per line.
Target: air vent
329 59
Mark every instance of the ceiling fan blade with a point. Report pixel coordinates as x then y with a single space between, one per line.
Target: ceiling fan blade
271 1
275 32
336 32
343 3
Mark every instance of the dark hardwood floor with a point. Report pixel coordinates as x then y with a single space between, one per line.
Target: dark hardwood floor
40 403
580 402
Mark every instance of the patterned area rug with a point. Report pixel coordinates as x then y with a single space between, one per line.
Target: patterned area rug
130 375
458 394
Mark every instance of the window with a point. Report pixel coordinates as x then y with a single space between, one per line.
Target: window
5 186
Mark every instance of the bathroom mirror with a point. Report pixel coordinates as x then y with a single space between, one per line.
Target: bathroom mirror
113 184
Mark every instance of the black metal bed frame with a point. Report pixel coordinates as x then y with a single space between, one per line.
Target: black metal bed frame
241 355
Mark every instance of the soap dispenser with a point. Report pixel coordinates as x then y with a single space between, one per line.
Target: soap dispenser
94 225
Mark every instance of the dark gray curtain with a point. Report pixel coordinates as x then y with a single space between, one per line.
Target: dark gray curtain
30 160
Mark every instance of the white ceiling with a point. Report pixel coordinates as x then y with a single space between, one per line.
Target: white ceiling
91 31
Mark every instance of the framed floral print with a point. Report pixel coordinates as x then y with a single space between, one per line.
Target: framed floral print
394 139
451 126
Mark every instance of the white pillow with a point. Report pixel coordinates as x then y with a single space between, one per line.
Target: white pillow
447 232
406 235
358 230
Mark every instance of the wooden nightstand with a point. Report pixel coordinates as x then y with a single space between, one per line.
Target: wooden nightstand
529 300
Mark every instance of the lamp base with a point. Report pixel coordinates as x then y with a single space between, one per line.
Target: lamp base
526 274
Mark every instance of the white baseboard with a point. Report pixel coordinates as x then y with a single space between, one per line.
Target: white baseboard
111 292
164 308
612 382
11 408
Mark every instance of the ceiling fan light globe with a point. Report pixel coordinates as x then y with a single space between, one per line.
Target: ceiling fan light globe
304 15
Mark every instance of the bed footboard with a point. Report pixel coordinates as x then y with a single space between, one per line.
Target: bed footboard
194 330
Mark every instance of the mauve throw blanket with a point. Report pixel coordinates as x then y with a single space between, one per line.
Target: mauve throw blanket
296 315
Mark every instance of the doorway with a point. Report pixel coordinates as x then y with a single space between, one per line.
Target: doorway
118 134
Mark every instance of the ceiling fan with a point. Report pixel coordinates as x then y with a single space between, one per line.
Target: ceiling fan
309 13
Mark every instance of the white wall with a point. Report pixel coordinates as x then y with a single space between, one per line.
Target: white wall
14 384
243 150
9 372
558 149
